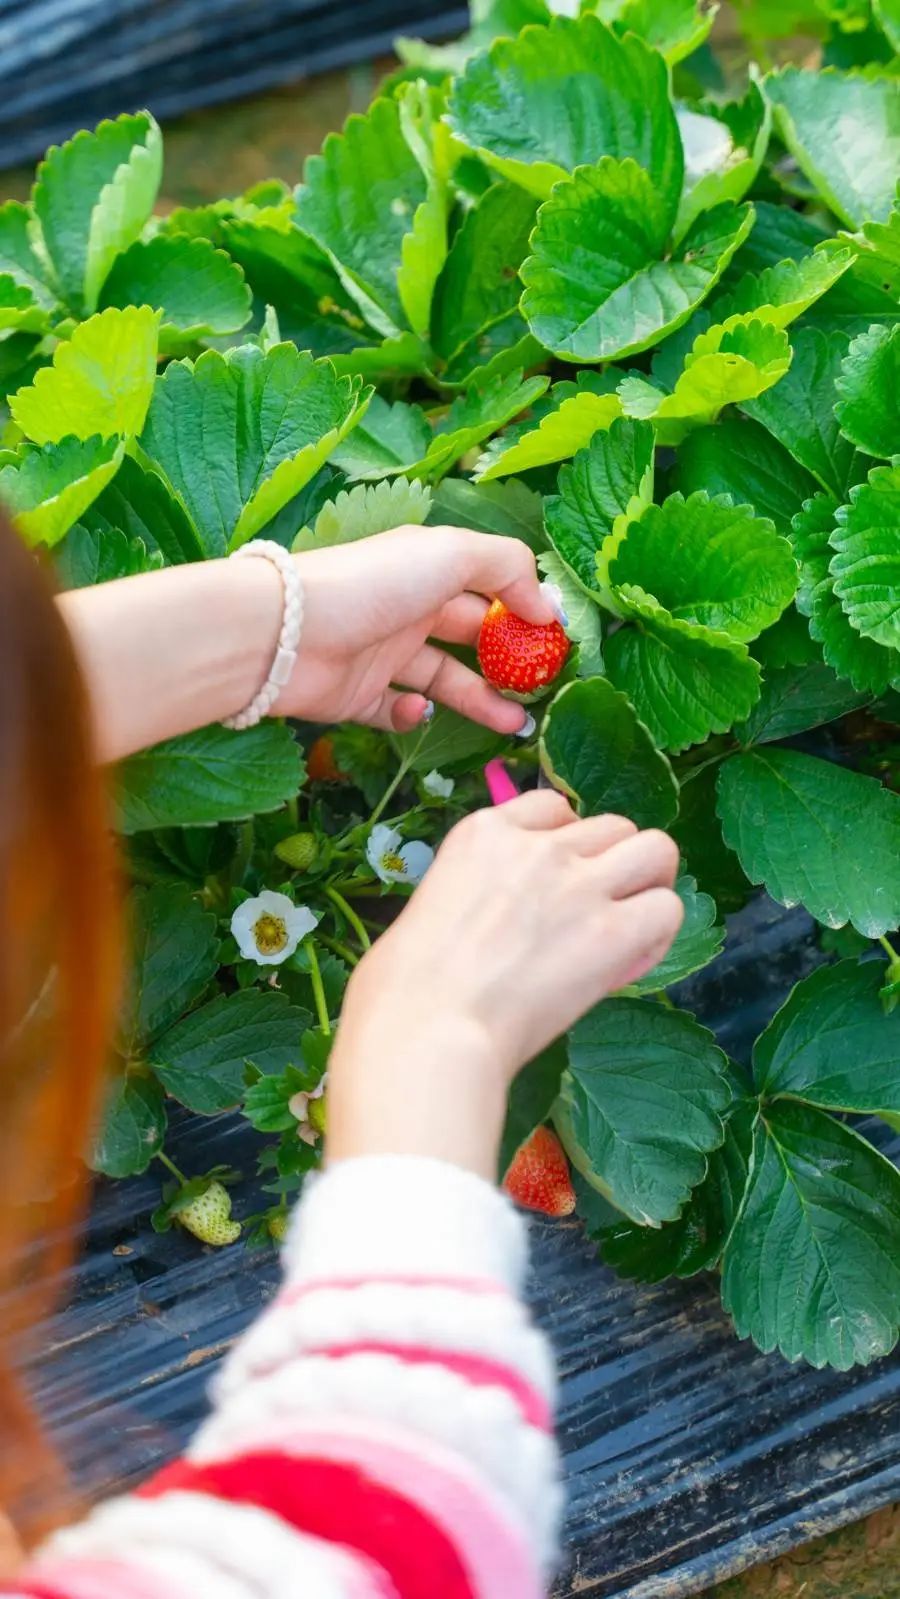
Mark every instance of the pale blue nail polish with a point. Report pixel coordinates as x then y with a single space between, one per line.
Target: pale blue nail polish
428 712
528 726
553 595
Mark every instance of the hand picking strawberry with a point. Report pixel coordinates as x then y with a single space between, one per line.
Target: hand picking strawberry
517 656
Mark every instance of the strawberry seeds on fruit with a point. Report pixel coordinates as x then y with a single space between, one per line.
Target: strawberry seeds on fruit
520 657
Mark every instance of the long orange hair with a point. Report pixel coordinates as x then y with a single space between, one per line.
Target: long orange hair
58 982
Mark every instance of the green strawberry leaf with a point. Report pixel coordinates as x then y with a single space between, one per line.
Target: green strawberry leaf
625 293
624 1055
174 955
198 290
609 481
866 569
831 1043
584 625
869 666
48 487
85 557
740 458
725 366
811 1266
685 681
423 249
675 27
267 1101
795 698
132 1129
510 509
100 382
540 105
594 748
876 250
202 1060
724 146
794 823
532 1095
700 939
800 411
560 424
479 287
450 743
709 562
19 310
694 1242
212 775
843 130
369 508
779 294
286 269
390 438
92 197
20 261
138 502
866 385
698 834
231 479
489 19
359 201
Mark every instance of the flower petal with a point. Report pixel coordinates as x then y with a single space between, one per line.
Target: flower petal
417 857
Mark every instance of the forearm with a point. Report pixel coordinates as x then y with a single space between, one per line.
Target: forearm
170 651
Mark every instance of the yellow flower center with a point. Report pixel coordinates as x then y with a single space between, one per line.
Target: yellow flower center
393 863
270 933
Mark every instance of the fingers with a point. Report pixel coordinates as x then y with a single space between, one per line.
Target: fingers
598 833
539 810
396 712
646 860
503 568
460 620
646 927
442 678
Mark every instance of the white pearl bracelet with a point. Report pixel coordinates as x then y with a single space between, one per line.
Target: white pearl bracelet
288 639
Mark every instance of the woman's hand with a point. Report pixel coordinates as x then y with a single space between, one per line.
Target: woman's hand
527 918
370 609
169 651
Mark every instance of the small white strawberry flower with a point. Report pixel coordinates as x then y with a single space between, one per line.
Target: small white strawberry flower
268 929
396 862
298 1105
438 786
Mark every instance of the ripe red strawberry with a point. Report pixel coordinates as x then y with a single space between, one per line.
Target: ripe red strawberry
517 655
321 766
539 1176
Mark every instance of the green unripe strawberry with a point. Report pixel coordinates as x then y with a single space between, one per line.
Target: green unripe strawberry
317 1114
209 1217
300 850
278 1226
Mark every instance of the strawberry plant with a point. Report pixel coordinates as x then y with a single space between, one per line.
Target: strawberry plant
561 282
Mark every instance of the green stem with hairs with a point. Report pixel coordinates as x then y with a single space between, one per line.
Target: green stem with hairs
347 911
170 1166
889 949
339 948
315 975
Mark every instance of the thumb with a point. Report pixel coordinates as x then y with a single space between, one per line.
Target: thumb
505 569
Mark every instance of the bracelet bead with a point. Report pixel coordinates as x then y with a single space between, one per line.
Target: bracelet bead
285 658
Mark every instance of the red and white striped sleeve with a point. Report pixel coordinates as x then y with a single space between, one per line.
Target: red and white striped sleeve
383 1431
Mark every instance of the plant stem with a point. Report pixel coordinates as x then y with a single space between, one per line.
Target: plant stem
396 780
889 949
662 998
315 975
170 1166
349 913
338 948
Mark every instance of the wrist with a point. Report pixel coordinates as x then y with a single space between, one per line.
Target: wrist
402 1086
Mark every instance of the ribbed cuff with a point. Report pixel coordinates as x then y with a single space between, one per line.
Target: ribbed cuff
405 1215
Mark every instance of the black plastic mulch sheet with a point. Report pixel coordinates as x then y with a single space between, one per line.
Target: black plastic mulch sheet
688 1455
64 64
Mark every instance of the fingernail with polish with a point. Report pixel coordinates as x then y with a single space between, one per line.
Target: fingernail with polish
428 712
553 595
528 726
